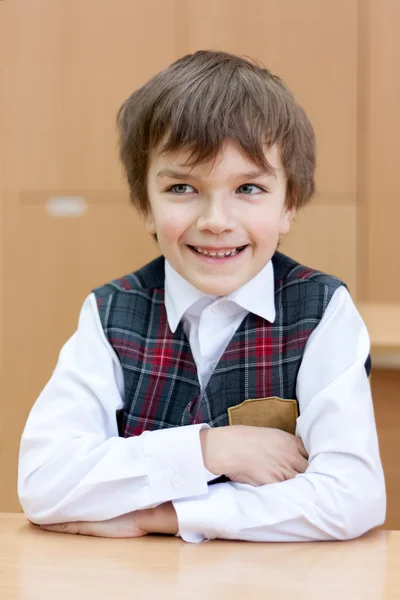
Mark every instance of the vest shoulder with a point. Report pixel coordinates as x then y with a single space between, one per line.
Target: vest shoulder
289 272
150 276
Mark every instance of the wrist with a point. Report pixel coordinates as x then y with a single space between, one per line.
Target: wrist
161 519
212 456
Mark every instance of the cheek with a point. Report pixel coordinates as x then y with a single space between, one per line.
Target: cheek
172 224
265 229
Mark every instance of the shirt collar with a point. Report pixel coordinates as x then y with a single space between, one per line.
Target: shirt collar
255 296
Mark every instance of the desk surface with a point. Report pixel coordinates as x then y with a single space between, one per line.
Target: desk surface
39 565
383 324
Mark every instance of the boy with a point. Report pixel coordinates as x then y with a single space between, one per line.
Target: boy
239 377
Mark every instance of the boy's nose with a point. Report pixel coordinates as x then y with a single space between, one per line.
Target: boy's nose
216 216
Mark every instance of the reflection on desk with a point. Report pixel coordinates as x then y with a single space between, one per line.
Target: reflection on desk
36 564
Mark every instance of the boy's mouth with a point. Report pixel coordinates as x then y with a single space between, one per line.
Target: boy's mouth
217 255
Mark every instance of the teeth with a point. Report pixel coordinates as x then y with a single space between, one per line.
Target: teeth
213 253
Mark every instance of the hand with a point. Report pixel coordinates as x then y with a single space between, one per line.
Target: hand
123 526
253 455
161 519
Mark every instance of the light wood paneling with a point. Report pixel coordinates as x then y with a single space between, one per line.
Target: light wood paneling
383 322
386 393
2 252
61 85
380 151
3 423
65 68
8 36
47 277
324 237
312 45
77 61
379 215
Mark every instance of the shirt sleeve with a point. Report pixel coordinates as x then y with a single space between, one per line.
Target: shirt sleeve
342 493
73 466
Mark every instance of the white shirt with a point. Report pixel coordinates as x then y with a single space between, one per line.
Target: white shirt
74 467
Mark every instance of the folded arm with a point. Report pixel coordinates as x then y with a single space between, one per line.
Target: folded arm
72 464
81 470
342 493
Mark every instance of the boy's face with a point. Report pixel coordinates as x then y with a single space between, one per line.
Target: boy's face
215 209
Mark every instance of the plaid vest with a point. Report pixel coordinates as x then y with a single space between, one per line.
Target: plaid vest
261 360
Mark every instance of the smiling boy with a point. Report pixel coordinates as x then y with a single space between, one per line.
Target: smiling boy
215 213
221 390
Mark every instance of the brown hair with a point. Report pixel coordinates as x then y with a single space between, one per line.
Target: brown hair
205 98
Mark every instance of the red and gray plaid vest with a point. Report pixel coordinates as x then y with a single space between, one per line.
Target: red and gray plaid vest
261 360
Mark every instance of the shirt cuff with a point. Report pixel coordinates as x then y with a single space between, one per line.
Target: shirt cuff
201 518
174 462
210 476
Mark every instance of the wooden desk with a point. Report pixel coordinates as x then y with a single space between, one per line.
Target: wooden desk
39 565
383 324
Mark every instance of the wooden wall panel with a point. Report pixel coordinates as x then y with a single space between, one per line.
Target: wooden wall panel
77 61
65 67
299 42
379 151
2 253
46 279
61 85
312 45
386 393
317 231
3 424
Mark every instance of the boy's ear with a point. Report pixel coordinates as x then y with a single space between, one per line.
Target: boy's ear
287 217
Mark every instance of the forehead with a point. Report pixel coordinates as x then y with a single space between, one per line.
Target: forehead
231 159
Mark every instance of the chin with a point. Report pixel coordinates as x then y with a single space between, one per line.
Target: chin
216 290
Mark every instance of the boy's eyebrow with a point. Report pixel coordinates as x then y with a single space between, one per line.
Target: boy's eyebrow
173 174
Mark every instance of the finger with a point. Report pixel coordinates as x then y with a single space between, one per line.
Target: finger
254 479
264 479
268 476
290 473
301 448
300 464
62 527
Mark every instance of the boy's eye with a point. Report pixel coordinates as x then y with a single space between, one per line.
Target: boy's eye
247 187
180 188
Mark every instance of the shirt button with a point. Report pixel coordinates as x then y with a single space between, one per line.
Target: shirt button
177 481
216 308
